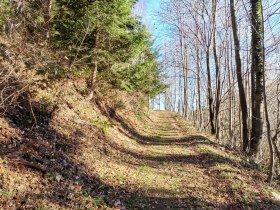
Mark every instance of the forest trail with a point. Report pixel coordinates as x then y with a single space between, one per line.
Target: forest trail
77 79
160 162
177 167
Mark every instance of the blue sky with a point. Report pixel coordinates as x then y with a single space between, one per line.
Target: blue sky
149 9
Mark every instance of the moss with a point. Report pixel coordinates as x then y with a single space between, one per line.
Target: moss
102 124
7 193
143 170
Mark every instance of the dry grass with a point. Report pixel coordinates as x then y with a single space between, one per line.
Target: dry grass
87 156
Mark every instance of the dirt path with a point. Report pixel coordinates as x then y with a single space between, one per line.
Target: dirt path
160 163
173 166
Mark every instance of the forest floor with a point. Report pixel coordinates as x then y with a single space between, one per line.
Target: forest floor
85 156
177 167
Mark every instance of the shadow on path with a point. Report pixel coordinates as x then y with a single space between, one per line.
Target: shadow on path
45 150
48 153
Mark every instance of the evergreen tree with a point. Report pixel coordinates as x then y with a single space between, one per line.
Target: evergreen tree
104 37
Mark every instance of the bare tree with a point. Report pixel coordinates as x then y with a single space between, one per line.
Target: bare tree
242 96
257 76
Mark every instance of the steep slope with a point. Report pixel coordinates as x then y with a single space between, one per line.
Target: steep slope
84 155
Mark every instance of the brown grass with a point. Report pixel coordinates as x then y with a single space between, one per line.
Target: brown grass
87 155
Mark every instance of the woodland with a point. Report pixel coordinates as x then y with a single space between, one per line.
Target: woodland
102 109
223 72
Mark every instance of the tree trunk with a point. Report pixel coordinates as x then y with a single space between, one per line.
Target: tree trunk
186 94
227 63
242 95
209 91
277 127
92 82
47 8
271 150
184 61
180 96
269 138
257 71
217 68
200 118
218 86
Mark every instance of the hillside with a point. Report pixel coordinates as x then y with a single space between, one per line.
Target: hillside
86 155
80 86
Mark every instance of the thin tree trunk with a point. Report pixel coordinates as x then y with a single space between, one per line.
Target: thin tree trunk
92 82
209 91
227 63
232 67
242 95
269 139
180 96
184 61
218 86
175 95
217 67
200 118
47 8
248 89
277 127
186 94
268 130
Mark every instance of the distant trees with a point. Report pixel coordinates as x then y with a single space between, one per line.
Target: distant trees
233 69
